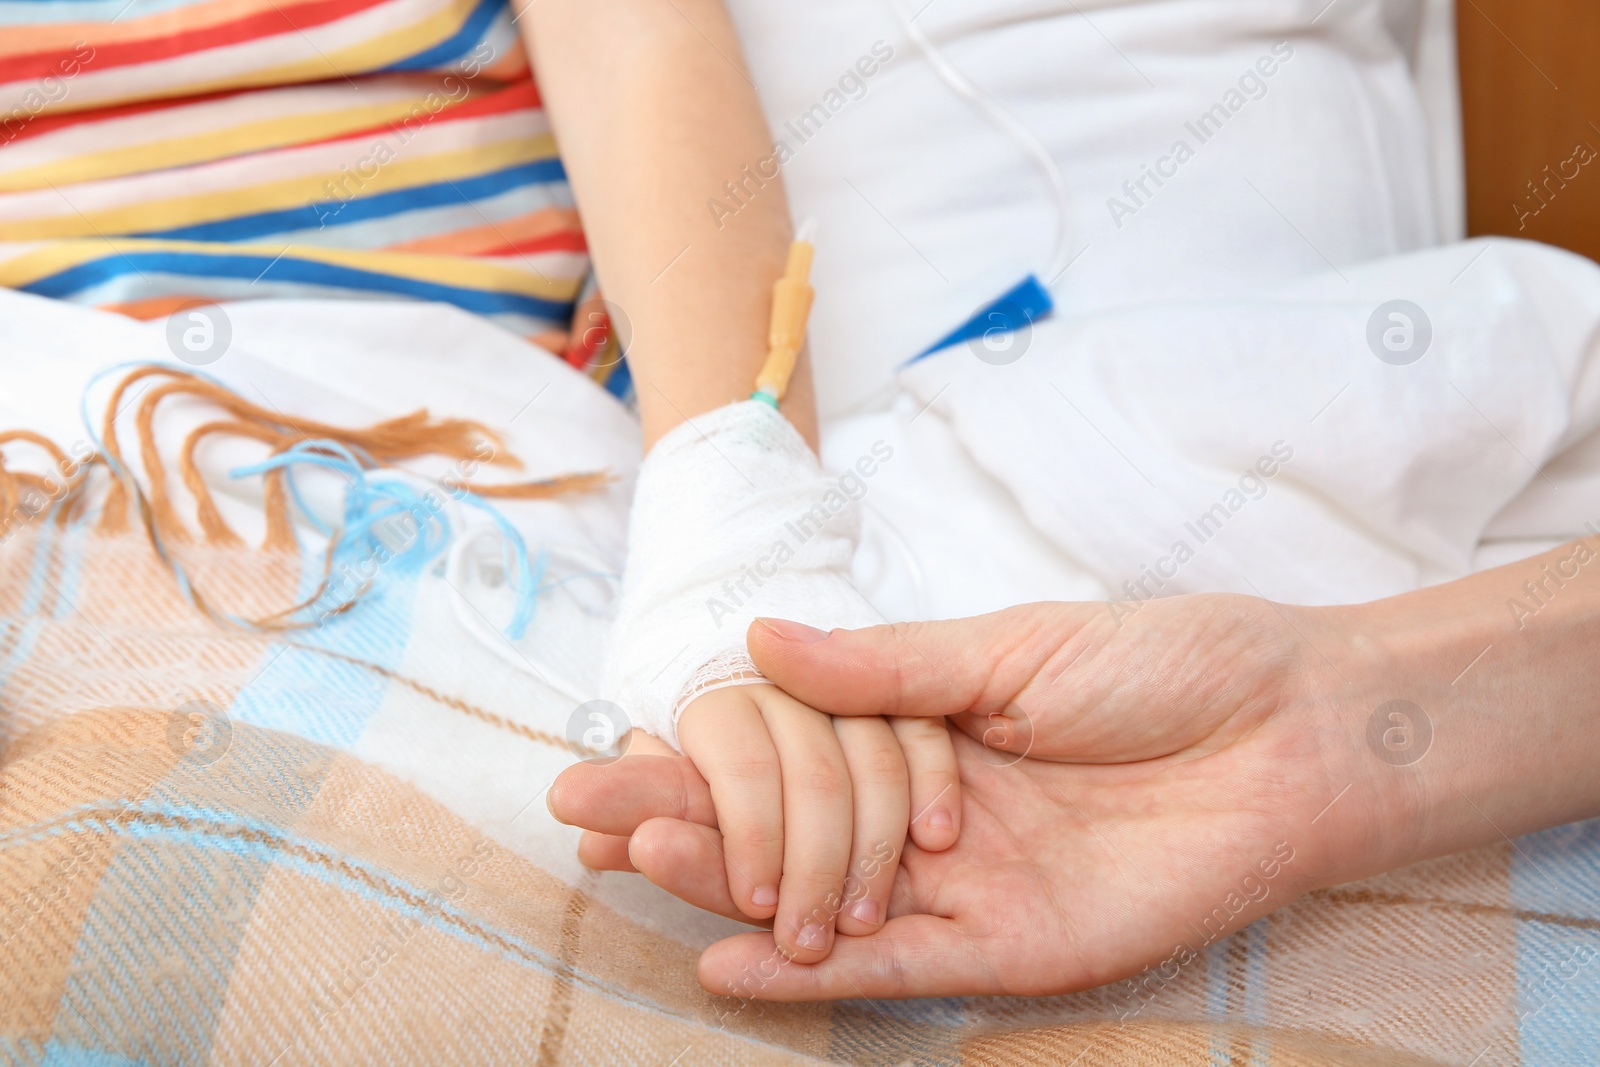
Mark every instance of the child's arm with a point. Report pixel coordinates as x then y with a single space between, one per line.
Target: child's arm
654 112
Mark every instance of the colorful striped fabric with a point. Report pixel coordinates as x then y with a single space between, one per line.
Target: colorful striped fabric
159 153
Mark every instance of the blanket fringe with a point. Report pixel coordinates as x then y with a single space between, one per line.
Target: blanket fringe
383 445
25 495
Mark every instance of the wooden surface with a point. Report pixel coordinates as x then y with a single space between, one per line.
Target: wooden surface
1530 94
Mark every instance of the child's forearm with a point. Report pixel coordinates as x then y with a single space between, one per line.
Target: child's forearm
654 112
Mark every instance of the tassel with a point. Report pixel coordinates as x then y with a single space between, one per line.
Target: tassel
60 490
295 442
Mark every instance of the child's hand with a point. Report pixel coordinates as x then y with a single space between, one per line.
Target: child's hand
813 810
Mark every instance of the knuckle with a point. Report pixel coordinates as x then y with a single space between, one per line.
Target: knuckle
900 670
922 732
825 780
757 770
880 766
888 965
820 894
757 839
682 798
862 885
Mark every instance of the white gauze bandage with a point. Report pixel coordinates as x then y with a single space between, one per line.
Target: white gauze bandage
733 519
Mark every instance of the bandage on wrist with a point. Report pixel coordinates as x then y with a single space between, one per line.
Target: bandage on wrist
733 519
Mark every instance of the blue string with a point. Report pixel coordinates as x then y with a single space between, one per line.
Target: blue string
370 501
526 577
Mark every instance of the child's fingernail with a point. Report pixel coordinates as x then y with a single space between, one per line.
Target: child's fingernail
867 911
940 820
765 896
811 936
794 631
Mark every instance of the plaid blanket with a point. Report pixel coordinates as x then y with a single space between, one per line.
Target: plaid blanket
327 846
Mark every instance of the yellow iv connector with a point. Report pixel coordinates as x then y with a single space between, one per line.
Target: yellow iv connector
791 306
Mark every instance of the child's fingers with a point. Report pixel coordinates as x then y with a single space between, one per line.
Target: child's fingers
817 818
879 784
935 785
724 733
604 852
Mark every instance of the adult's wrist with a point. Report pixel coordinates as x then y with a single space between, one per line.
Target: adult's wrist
1475 706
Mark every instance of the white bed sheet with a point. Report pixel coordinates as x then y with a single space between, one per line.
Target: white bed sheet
1351 153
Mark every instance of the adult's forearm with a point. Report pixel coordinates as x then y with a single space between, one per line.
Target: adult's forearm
654 112
1503 670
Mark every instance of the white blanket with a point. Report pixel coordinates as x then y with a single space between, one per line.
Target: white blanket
1193 137
1131 440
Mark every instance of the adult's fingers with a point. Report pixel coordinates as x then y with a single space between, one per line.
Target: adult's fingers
685 859
614 798
604 852
639 743
924 668
912 956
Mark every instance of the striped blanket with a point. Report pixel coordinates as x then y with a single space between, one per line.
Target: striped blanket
158 154
226 845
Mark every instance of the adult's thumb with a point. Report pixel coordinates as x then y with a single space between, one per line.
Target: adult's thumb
922 668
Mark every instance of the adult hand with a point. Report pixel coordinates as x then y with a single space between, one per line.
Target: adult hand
1189 767
1196 771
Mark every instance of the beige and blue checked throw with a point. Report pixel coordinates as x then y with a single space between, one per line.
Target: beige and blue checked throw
244 847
